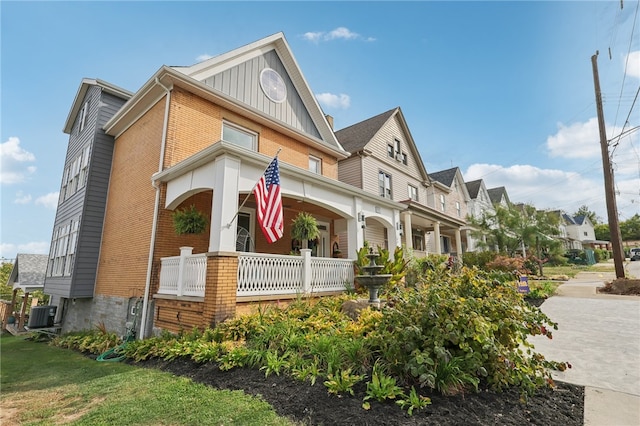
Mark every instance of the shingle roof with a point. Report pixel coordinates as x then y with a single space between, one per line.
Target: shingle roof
356 136
445 177
496 194
473 188
29 270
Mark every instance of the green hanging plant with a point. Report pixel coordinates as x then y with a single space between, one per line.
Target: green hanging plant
304 228
189 221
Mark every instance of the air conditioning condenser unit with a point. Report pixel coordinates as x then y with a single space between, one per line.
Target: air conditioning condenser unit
42 316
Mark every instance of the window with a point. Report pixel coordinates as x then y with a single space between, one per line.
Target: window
443 205
390 150
84 167
413 193
244 232
397 145
84 114
273 85
315 165
63 249
404 159
239 136
585 233
458 212
384 185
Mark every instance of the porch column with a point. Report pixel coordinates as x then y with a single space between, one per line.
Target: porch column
306 270
221 291
408 235
470 245
222 236
436 236
355 230
458 243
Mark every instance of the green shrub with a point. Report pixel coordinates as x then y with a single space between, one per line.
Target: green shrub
478 259
508 264
459 329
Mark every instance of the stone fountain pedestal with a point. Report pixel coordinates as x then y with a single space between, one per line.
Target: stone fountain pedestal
372 280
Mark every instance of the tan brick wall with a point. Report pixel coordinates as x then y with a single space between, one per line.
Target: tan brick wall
222 287
128 221
196 123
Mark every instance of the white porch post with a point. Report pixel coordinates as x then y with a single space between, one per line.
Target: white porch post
458 243
306 270
408 235
436 236
354 229
470 245
222 236
184 252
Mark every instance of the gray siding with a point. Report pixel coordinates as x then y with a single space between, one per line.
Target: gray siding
242 82
88 203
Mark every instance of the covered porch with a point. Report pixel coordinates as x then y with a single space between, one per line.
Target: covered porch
205 279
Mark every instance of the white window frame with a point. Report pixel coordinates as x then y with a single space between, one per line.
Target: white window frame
84 113
458 210
413 192
443 203
315 165
384 185
252 136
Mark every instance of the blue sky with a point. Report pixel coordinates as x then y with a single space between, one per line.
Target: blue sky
502 90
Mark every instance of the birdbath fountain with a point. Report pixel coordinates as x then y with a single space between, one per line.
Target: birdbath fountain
371 279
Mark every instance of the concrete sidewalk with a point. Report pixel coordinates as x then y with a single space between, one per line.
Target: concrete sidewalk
599 335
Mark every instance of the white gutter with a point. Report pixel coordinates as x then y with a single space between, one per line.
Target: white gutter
147 285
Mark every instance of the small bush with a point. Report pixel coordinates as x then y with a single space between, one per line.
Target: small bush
478 259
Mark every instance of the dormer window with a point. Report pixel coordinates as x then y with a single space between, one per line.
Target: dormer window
315 165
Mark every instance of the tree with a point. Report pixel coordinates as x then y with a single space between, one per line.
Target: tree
584 211
602 232
520 227
630 228
5 272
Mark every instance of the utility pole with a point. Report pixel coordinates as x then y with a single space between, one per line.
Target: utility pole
609 188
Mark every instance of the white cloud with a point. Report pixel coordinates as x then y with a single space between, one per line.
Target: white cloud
578 140
49 200
632 63
203 57
10 250
342 33
331 100
12 159
22 198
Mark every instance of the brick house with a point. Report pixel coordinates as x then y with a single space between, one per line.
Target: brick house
202 136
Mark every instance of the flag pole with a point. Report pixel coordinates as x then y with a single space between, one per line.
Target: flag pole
254 187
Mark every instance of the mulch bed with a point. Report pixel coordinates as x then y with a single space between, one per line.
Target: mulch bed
312 405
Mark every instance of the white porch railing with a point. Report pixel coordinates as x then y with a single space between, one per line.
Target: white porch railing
184 275
259 274
268 274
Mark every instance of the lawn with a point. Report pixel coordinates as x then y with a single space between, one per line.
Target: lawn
44 385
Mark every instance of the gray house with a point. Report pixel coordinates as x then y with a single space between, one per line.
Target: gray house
77 231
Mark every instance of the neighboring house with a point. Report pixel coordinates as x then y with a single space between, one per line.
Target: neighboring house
499 197
202 136
580 233
385 161
449 194
479 205
28 275
77 230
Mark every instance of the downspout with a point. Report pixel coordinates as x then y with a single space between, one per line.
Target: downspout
156 209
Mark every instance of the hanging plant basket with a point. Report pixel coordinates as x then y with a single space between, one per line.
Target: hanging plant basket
304 227
189 221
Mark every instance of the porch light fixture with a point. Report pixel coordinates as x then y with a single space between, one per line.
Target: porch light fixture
361 217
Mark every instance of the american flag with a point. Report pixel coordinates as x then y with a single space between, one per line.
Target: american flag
269 203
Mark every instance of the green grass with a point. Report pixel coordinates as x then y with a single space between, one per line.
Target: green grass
572 270
44 385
